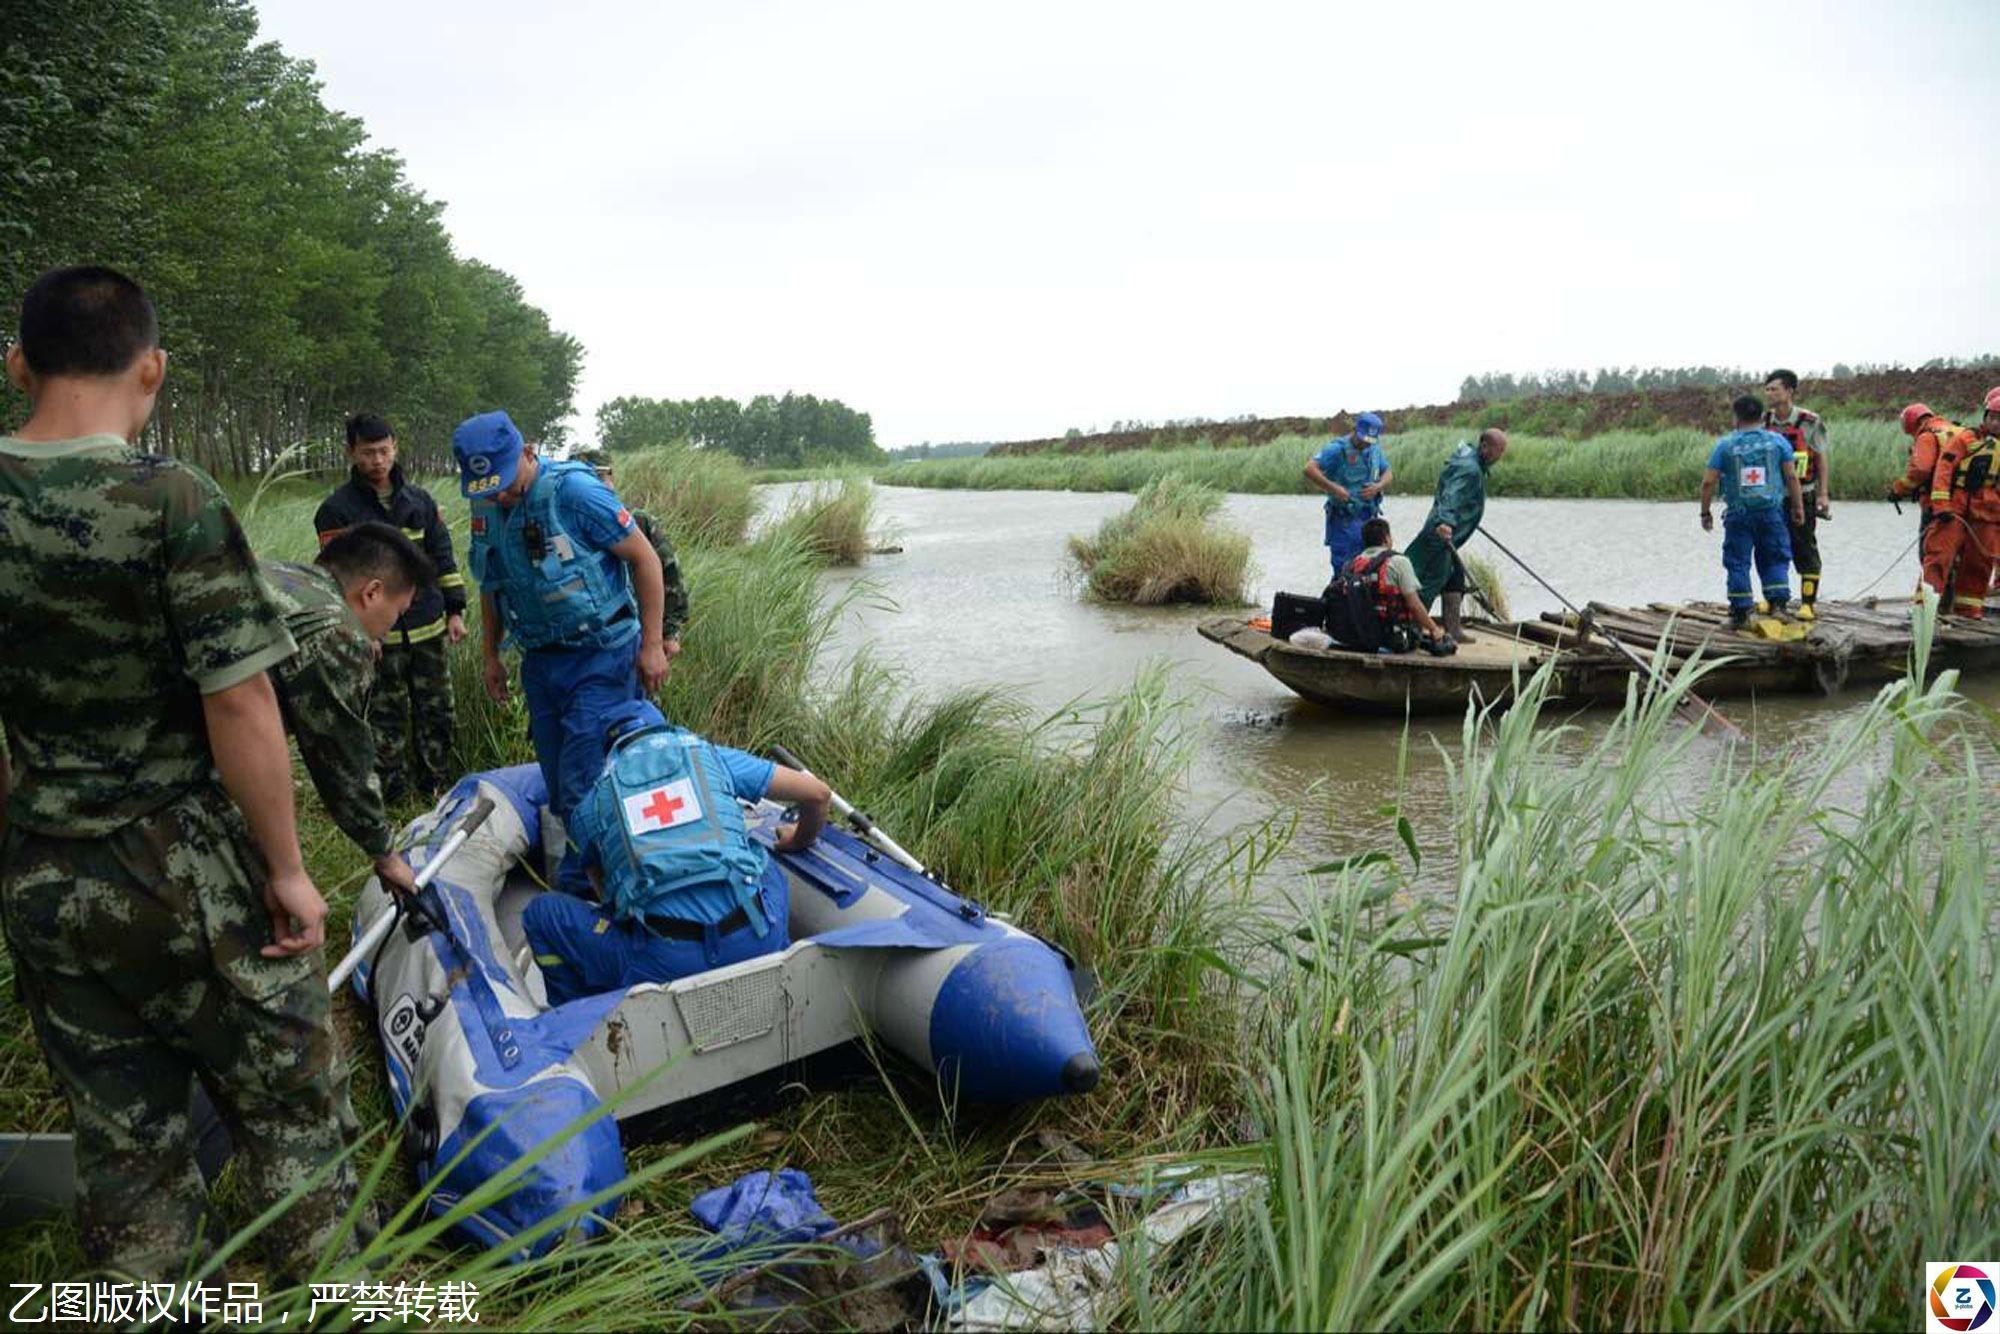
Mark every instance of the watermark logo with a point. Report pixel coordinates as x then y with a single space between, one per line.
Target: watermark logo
1961 1296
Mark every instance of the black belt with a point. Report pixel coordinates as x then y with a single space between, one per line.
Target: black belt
678 928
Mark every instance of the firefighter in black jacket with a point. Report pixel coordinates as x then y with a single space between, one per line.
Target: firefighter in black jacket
409 710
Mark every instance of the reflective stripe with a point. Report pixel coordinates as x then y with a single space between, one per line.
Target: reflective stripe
414 534
452 580
1936 496
419 635
551 960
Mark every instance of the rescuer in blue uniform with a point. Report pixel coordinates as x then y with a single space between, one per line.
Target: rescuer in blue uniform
683 886
575 585
1354 473
1760 488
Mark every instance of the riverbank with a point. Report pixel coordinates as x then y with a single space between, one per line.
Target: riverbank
1624 465
1494 1104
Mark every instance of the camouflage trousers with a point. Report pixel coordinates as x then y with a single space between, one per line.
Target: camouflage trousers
137 957
410 713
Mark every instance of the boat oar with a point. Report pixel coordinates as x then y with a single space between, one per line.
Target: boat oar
859 820
378 930
1692 708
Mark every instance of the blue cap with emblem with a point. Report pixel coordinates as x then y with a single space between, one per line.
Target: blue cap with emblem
489 453
1368 426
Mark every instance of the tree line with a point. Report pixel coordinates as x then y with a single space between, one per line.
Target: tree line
791 431
1500 386
298 275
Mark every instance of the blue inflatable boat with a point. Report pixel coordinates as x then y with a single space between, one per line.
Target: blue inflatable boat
487 1074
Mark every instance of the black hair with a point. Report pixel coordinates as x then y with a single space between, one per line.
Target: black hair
366 427
1375 533
86 320
1748 408
1789 379
377 551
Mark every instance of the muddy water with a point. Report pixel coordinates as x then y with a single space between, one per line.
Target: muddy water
978 597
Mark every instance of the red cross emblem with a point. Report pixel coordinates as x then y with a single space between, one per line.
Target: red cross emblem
662 807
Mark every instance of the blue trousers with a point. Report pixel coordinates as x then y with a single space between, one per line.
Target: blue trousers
1765 536
569 690
583 951
1343 538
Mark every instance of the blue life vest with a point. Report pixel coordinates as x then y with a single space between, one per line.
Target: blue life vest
563 598
669 834
1751 473
1354 467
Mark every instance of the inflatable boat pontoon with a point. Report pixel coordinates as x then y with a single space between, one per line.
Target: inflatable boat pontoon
486 1073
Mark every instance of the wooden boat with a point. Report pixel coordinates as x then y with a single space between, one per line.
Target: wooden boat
1859 643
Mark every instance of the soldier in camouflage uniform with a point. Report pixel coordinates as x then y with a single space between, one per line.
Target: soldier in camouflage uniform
410 709
337 610
670 566
159 931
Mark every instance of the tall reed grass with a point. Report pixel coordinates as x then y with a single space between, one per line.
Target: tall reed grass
700 497
831 518
1170 546
1689 1047
1621 465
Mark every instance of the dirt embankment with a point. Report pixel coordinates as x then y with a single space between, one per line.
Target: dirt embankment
1578 416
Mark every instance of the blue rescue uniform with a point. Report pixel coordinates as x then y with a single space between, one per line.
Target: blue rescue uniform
1353 464
567 603
662 918
1754 464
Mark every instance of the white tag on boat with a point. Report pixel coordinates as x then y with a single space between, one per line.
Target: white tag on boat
662 808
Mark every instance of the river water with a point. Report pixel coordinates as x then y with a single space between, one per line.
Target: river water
979 597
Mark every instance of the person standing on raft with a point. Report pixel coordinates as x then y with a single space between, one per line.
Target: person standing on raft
1455 513
1760 491
1353 472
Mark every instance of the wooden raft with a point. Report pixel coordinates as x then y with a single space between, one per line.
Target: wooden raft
1860 642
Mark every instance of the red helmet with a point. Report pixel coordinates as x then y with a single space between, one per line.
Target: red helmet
1993 399
1916 415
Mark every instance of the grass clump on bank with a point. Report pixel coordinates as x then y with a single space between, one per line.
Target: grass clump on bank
1620 465
829 519
1169 547
700 497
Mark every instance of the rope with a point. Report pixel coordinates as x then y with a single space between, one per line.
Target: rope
1971 534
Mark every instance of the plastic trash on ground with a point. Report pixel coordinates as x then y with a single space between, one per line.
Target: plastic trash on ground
1075 1284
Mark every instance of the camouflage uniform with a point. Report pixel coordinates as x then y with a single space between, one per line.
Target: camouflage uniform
675 603
130 891
410 710
323 689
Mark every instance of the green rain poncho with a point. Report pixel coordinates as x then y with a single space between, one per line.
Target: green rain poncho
1461 501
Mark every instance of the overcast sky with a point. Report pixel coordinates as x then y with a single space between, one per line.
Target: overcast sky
1002 221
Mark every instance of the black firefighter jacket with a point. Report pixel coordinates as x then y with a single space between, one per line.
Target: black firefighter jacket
411 509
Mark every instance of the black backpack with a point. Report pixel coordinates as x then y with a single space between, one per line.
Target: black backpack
1351 614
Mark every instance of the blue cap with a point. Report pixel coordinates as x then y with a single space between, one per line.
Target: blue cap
1368 426
489 453
634 715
